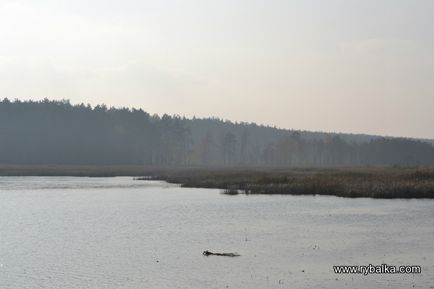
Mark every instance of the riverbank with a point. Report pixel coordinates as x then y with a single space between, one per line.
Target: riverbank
371 182
72 170
385 183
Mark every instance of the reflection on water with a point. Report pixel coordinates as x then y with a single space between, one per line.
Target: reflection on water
68 232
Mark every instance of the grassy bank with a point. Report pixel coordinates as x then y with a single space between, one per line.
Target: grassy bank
374 182
71 170
345 182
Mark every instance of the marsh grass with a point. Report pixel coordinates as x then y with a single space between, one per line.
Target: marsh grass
71 170
372 182
345 182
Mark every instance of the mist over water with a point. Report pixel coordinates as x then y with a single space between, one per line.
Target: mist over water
68 232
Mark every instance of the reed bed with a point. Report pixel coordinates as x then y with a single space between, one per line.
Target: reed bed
385 183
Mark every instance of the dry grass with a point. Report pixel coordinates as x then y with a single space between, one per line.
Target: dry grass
372 182
70 170
345 182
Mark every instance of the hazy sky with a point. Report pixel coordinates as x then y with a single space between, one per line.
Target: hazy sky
352 66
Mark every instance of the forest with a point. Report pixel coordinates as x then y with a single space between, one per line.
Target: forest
57 132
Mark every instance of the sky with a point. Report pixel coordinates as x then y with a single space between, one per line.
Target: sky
362 66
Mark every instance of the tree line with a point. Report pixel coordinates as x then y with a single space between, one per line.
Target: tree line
57 132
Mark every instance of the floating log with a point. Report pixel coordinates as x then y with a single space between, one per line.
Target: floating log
208 253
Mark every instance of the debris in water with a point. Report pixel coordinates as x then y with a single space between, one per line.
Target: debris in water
208 253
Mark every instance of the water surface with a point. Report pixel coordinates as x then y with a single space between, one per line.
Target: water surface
70 232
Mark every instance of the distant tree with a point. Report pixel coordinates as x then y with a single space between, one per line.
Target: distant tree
57 132
207 147
244 146
229 148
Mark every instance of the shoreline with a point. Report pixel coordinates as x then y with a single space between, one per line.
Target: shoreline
377 183
349 182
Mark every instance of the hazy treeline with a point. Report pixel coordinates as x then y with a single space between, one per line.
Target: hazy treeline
56 132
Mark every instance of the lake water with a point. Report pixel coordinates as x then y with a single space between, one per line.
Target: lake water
70 232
